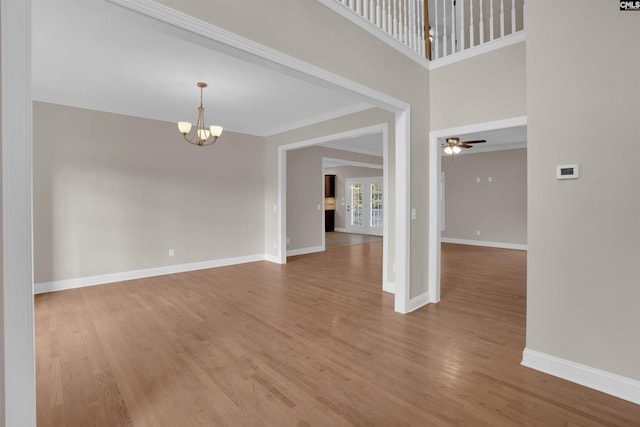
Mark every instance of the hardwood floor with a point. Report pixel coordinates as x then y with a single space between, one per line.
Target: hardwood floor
335 239
311 343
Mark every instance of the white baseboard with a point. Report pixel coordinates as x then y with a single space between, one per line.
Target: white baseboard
606 382
516 246
389 287
304 251
80 282
419 301
340 230
272 258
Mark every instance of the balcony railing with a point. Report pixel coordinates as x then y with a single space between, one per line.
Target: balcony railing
452 26
457 25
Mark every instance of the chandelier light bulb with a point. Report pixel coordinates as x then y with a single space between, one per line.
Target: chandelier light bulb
184 127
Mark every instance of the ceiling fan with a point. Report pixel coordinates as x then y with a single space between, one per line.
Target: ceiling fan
454 145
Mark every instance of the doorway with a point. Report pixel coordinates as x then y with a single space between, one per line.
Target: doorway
436 201
365 205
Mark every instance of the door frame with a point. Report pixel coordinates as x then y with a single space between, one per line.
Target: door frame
282 200
435 196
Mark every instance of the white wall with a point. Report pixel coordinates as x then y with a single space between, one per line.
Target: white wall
496 208
117 192
583 96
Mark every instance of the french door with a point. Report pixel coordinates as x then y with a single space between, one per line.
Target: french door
365 212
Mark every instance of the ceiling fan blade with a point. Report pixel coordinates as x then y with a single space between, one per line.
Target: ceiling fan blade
463 145
477 141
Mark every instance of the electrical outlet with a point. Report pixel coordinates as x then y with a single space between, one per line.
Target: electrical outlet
288 240
490 179
172 252
477 232
275 245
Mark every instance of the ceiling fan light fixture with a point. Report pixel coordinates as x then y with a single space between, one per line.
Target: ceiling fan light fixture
448 150
456 149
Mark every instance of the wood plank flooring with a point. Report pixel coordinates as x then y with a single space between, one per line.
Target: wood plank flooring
335 239
311 343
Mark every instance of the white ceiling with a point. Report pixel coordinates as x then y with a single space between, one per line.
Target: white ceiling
97 55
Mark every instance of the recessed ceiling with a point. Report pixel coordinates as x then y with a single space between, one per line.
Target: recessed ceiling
96 55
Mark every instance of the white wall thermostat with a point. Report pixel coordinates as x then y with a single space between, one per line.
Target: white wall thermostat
567 172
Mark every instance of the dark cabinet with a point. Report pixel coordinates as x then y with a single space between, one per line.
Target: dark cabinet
329 202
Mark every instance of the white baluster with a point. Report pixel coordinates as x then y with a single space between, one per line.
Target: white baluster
408 23
435 32
524 14
501 18
414 25
395 20
421 40
471 34
491 20
402 19
378 22
389 18
513 16
461 41
445 36
481 23
453 28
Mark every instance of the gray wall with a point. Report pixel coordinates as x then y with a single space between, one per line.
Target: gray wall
327 40
481 89
583 93
305 191
353 121
343 173
115 193
498 209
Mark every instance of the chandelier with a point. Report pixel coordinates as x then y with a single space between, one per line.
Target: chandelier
201 134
